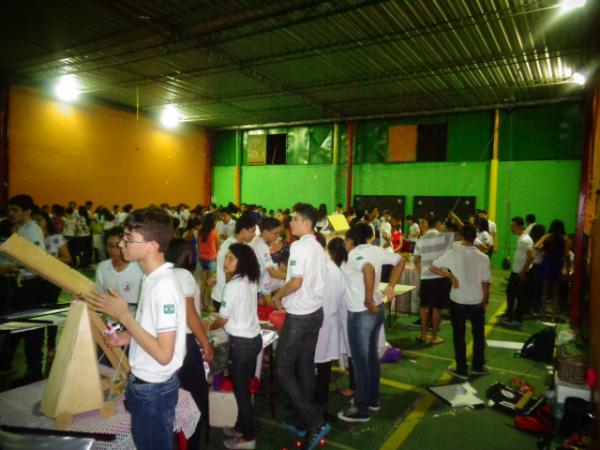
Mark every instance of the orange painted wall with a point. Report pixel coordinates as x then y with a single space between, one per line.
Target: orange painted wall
85 151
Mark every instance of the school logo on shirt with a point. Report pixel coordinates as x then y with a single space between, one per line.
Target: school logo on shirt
358 258
292 262
169 309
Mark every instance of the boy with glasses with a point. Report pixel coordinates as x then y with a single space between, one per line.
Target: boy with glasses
157 334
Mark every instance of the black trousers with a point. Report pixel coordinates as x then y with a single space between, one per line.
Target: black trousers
242 365
295 369
516 293
322 379
459 314
193 379
29 295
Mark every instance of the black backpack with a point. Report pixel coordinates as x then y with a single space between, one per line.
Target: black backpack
540 346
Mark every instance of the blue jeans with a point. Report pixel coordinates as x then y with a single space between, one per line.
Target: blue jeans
363 337
296 366
242 365
152 408
207 265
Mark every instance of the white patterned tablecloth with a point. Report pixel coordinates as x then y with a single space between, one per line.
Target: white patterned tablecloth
20 407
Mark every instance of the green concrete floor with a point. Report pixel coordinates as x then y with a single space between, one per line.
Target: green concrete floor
411 418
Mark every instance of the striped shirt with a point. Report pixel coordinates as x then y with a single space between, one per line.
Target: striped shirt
430 247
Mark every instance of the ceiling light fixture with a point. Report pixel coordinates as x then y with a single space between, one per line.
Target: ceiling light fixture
568 5
170 117
578 78
67 88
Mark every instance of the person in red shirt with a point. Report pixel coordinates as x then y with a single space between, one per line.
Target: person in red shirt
207 256
396 235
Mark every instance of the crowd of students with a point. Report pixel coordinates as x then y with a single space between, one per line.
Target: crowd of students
166 266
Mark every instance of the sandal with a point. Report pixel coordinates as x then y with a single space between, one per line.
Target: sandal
438 340
236 443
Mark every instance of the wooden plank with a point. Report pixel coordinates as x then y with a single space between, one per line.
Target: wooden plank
68 279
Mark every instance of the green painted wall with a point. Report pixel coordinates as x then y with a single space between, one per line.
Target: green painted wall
449 178
222 185
223 150
283 186
549 132
548 189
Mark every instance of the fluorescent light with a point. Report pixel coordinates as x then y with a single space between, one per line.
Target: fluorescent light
67 88
568 5
577 78
170 117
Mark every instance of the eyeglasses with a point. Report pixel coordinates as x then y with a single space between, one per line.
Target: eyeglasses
127 242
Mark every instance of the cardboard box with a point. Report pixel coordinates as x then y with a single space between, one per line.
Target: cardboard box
222 408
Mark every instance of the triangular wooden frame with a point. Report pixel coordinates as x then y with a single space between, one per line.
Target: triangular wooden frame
74 383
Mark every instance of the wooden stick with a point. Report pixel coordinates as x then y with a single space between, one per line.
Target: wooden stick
56 272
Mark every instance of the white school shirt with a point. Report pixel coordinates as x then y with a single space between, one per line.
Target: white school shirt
471 267
161 309
126 283
353 275
239 307
307 261
54 243
190 289
261 249
34 234
217 291
413 232
226 228
334 307
492 227
524 244
485 238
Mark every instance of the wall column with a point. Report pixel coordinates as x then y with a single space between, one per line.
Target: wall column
588 197
237 175
334 166
494 169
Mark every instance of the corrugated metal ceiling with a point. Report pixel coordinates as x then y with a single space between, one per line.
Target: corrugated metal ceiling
233 63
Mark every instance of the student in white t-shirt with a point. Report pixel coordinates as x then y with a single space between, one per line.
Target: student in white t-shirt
198 349
365 316
245 228
484 238
123 277
302 298
492 228
157 334
414 231
238 315
271 277
516 291
226 226
469 270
